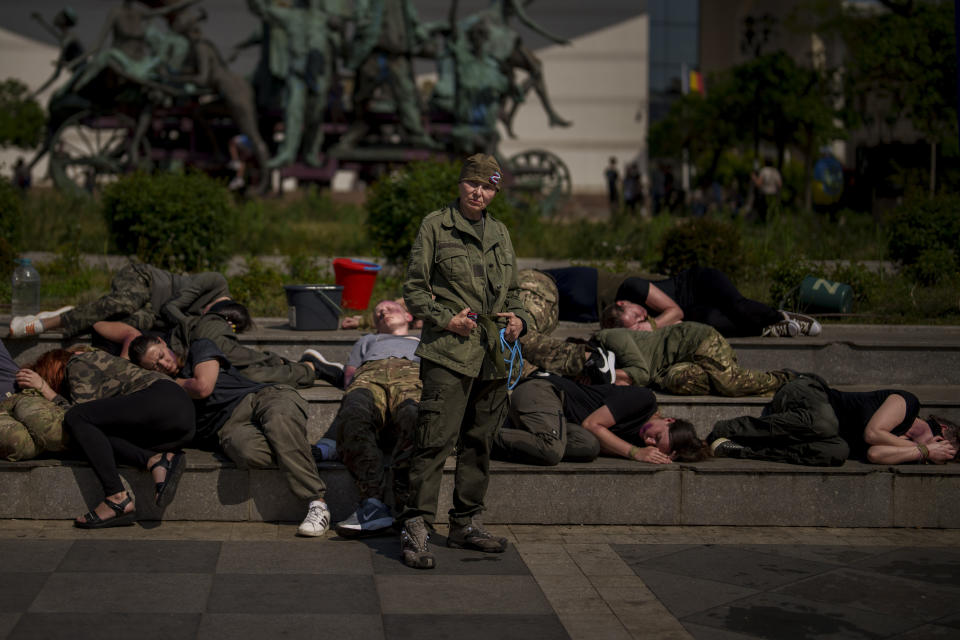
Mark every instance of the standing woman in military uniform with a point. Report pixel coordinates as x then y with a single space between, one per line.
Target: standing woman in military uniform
462 282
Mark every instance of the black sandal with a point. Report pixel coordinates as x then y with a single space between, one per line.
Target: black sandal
167 488
93 521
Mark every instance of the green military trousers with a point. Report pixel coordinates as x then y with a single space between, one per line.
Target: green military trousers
268 427
455 409
798 426
537 432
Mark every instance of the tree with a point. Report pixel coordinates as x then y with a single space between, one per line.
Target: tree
904 59
770 98
21 117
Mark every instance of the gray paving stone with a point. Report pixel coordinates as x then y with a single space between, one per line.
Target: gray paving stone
700 632
684 595
17 590
32 555
730 564
116 626
928 632
421 592
141 556
7 622
292 593
872 591
123 593
638 553
839 555
784 618
387 560
238 626
295 556
935 565
475 627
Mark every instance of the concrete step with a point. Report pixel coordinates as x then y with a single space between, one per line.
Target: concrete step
607 491
843 354
702 411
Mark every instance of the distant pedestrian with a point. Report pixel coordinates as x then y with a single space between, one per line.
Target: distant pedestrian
612 176
632 188
21 175
768 183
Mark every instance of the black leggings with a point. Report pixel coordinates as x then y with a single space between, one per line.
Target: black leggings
130 429
706 295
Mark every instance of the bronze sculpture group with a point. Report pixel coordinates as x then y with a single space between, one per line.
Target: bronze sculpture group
310 51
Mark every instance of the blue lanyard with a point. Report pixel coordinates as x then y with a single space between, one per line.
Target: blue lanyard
516 355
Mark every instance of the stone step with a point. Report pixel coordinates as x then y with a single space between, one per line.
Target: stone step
607 491
702 411
843 354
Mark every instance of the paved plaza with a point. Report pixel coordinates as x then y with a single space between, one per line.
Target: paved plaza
257 580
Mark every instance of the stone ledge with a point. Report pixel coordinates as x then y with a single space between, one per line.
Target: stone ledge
607 491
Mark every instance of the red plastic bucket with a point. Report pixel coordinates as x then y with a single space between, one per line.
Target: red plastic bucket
357 278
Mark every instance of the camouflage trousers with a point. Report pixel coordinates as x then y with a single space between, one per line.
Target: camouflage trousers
30 425
378 414
714 370
128 300
538 293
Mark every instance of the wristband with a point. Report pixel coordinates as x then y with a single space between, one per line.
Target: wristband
924 452
633 450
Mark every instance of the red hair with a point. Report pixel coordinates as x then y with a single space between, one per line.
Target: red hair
52 367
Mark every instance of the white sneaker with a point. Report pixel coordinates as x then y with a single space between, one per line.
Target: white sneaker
53 314
236 184
808 326
25 326
317 521
782 329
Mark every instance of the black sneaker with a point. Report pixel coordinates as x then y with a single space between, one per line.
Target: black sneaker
474 536
325 370
413 545
600 367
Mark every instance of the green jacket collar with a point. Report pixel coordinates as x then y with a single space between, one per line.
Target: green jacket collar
453 219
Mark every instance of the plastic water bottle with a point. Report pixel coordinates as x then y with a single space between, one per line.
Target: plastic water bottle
26 289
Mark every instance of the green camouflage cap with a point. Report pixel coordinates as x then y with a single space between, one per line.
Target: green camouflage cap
482 168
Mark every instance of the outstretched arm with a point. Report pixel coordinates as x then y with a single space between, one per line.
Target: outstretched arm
599 422
118 332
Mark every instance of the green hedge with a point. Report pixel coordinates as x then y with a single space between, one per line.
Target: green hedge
924 235
175 221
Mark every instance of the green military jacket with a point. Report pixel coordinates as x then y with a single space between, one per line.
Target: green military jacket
646 355
94 375
452 268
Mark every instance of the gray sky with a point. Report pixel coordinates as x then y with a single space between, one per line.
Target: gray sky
230 20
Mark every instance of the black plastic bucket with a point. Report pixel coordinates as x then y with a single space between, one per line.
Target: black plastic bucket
313 307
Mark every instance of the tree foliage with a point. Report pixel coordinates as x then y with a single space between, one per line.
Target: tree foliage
770 99
397 202
901 63
175 221
21 117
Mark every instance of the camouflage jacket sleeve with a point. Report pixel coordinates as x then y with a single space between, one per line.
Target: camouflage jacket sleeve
630 358
203 286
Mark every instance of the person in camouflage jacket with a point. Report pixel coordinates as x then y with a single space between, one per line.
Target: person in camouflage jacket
116 413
